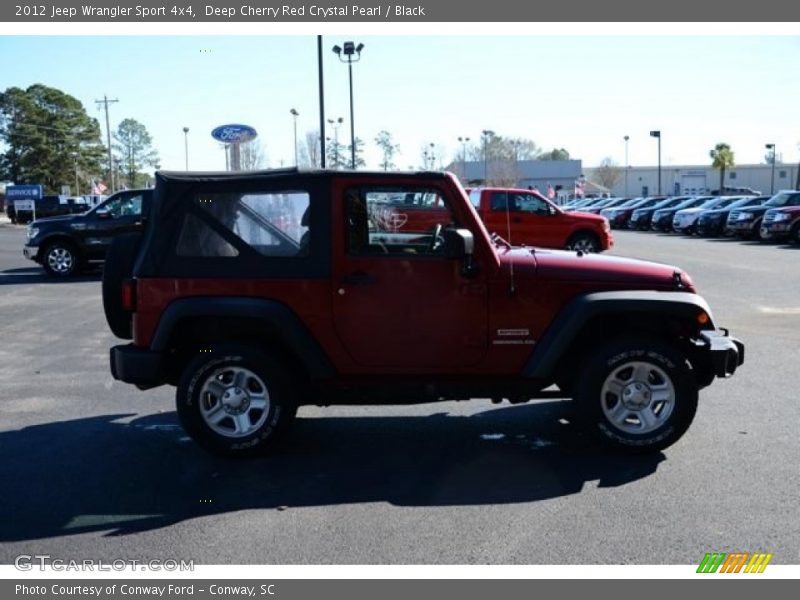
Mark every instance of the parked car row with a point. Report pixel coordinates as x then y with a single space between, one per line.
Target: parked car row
774 217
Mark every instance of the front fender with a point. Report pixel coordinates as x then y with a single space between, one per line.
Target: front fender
570 321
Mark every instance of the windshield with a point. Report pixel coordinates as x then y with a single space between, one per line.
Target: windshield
784 199
744 202
630 202
713 203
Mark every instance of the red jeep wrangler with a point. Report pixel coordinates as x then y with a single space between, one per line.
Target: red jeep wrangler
256 293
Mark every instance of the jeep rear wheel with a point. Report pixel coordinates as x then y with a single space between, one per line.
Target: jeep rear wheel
584 241
60 259
637 395
235 400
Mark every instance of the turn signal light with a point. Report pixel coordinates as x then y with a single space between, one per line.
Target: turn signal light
702 318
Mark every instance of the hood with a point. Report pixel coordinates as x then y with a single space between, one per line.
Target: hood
582 216
614 271
785 209
58 219
691 211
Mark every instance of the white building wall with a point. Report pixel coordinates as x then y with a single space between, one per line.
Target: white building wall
694 179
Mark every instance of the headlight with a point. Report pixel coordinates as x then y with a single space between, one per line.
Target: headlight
745 216
78 226
780 216
32 232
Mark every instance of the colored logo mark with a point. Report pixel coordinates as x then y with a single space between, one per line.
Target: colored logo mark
737 562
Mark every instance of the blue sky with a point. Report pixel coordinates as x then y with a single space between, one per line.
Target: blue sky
583 93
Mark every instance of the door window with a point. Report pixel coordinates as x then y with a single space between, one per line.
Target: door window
403 221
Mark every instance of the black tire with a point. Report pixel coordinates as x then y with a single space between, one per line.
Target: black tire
197 406
755 234
118 267
583 241
794 234
60 258
668 399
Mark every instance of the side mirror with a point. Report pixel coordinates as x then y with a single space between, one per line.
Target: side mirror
458 243
103 214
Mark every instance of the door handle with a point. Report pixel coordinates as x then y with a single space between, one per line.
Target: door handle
516 220
359 278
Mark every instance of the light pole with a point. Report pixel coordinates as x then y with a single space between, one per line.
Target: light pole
431 156
772 179
352 54
186 146
464 141
336 124
295 114
657 134
626 138
515 144
485 135
77 186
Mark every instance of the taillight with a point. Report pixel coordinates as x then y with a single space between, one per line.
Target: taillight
129 295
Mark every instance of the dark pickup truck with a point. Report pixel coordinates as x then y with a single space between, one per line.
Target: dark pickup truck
62 244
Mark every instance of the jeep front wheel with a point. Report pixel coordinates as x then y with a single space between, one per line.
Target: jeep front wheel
637 395
235 400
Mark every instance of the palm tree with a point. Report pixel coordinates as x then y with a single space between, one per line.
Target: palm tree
722 157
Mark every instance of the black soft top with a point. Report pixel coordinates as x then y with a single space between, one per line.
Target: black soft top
174 191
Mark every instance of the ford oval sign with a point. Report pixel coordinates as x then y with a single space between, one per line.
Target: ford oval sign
233 134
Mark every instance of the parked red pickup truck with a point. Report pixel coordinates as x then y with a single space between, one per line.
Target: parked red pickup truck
523 216
529 218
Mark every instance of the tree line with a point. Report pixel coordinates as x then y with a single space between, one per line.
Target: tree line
50 139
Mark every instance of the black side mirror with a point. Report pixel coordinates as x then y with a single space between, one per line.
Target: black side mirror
458 243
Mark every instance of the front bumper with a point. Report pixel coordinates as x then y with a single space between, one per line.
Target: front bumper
775 231
740 227
727 353
708 228
661 224
139 366
31 252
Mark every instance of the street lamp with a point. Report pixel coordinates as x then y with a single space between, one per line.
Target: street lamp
772 179
657 134
295 114
186 146
464 141
627 168
485 136
336 124
352 54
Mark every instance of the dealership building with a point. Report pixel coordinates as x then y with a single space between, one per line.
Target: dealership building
698 179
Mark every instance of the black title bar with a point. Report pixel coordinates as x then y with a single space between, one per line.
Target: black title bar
424 11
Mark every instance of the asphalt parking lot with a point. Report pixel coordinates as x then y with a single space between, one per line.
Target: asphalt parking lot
94 468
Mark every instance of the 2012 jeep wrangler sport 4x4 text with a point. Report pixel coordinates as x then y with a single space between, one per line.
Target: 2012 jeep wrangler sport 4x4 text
255 293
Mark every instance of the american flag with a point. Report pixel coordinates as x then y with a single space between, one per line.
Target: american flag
98 187
580 187
551 193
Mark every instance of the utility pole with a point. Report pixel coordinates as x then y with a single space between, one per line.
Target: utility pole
105 102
